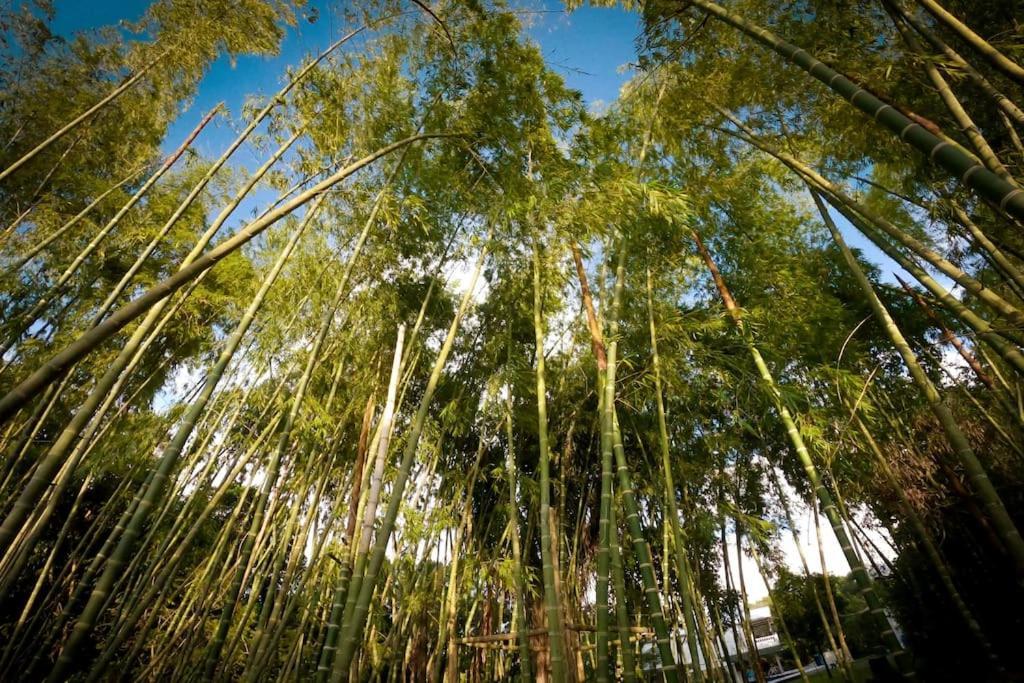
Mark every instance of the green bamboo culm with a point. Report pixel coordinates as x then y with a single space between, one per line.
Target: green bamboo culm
447 624
977 288
556 640
787 638
82 118
978 478
952 158
671 507
626 657
924 537
602 636
19 324
213 651
340 593
350 575
641 549
169 458
865 584
21 395
994 336
511 474
999 60
1001 337
605 530
352 628
642 554
88 417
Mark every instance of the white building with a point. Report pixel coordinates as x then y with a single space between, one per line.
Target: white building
769 646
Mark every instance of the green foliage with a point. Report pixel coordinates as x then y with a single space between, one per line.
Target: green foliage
522 164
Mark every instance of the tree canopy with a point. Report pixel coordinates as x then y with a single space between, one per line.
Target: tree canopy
463 379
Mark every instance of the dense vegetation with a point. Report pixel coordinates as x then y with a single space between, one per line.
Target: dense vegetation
487 384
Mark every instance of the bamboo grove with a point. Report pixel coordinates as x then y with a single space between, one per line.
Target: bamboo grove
431 372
